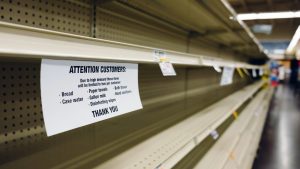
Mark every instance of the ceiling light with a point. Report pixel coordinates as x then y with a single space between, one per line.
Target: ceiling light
294 41
278 51
276 57
268 15
262 28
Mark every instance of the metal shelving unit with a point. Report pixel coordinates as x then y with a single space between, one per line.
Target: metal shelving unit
179 112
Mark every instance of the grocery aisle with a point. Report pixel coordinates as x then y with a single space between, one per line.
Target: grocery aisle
280 148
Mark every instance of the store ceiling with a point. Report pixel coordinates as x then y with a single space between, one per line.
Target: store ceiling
282 29
245 6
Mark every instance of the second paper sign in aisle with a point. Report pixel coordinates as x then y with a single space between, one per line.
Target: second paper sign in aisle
227 76
78 93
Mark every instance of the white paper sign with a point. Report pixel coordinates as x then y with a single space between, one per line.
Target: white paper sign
227 76
254 73
214 134
78 93
217 68
165 65
261 72
167 69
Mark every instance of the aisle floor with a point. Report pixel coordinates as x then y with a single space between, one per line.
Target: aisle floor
280 144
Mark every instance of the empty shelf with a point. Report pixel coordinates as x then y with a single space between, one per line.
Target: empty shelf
236 148
167 148
29 42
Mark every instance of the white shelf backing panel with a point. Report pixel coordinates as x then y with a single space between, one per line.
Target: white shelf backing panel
218 155
24 41
165 149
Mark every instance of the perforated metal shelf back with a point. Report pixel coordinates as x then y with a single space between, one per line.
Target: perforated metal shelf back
21 119
115 28
58 15
77 17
